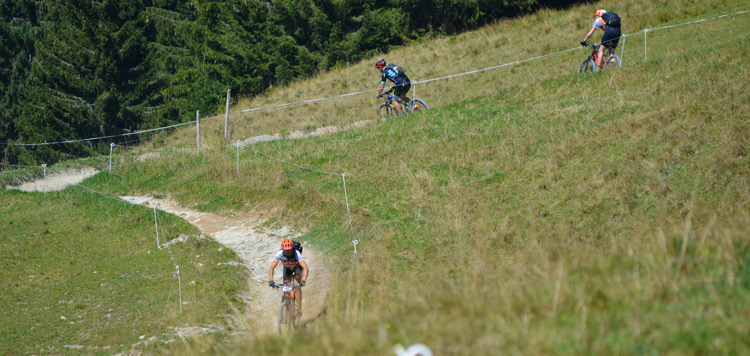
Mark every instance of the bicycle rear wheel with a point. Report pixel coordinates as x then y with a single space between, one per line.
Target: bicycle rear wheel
613 62
285 317
386 111
587 66
418 105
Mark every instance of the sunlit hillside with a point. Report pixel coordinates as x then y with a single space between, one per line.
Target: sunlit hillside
531 211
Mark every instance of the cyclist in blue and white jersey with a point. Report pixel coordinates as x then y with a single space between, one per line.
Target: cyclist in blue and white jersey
401 82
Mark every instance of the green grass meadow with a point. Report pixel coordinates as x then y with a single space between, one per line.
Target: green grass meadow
532 211
82 274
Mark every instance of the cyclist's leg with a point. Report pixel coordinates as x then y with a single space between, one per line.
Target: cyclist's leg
397 104
399 92
405 89
609 40
298 271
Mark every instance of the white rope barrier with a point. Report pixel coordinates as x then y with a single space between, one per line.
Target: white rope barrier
102 137
310 101
17 165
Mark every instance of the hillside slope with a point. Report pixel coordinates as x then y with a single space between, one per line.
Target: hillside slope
534 211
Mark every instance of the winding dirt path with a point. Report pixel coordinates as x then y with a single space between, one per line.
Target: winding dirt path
56 181
255 245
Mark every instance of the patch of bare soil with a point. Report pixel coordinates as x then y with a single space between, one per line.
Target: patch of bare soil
56 181
256 244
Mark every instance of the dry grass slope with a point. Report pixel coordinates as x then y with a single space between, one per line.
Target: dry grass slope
534 212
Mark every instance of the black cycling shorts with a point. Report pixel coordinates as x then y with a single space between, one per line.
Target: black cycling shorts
402 87
611 37
289 273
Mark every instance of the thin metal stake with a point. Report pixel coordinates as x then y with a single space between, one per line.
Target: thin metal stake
156 223
198 130
44 166
622 50
645 47
226 115
238 158
179 284
111 146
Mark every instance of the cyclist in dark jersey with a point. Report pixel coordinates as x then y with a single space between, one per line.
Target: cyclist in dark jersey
294 267
401 82
609 39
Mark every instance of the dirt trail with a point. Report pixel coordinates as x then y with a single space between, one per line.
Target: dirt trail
255 245
56 181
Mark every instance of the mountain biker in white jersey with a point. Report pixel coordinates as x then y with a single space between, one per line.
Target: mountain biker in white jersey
294 267
610 38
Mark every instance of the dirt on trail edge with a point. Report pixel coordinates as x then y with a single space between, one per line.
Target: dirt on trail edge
256 244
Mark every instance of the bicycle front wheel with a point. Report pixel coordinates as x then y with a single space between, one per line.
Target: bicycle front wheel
613 62
285 317
386 111
587 66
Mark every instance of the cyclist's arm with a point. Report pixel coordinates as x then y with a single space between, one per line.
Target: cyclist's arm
591 32
270 272
304 270
383 78
380 90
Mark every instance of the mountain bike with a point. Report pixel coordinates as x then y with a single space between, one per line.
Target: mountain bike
288 311
589 64
387 110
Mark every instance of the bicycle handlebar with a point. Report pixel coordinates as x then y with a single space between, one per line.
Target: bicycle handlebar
592 45
279 285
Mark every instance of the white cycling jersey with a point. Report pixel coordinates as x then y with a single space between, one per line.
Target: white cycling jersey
289 261
599 23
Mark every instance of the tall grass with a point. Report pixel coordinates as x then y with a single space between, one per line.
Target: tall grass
533 212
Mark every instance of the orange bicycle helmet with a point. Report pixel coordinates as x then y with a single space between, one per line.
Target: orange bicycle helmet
380 63
287 244
600 12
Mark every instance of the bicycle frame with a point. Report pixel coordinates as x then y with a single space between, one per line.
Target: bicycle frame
289 293
406 105
608 60
288 311
595 53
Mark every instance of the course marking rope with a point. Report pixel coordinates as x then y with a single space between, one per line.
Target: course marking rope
310 101
103 137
